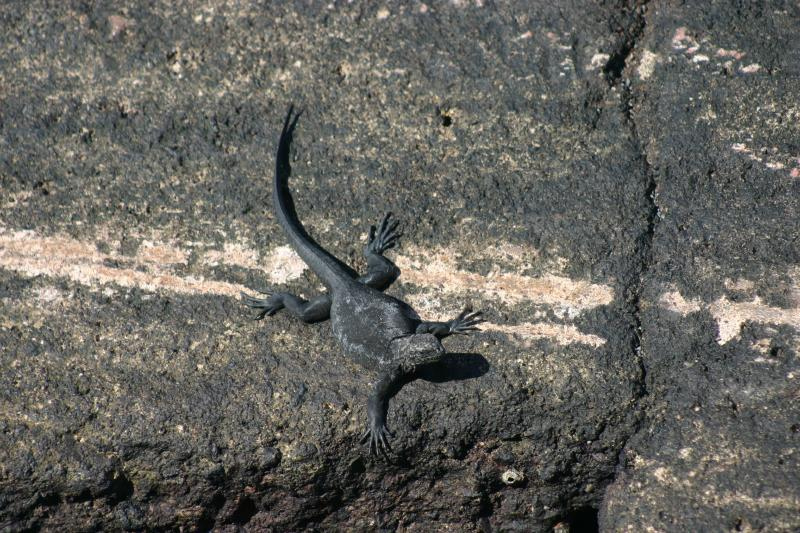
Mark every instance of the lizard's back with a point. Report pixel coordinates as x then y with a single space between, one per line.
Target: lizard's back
365 321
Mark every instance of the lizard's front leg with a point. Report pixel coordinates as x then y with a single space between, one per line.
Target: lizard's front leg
381 272
378 433
408 355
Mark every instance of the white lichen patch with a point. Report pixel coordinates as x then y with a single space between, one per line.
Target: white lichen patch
732 315
647 64
159 253
767 157
684 41
439 269
598 61
563 334
48 295
751 68
438 275
61 256
674 301
118 24
12 199
233 254
431 307
735 54
740 284
664 478
283 264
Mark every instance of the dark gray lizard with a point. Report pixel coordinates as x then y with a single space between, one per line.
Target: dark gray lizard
378 331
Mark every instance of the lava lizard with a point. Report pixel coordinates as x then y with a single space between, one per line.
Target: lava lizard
378 331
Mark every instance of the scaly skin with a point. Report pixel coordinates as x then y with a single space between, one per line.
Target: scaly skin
377 330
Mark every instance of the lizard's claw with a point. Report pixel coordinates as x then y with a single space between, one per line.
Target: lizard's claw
265 306
378 438
377 433
466 321
385 237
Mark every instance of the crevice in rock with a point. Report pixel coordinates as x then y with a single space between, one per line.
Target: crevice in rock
583 519
120 489
644 245
614 70
211 512
618 59
245 509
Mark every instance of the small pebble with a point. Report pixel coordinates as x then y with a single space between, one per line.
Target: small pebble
512 476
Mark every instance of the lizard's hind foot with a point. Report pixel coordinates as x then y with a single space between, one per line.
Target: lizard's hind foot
317 310
265 306
385 237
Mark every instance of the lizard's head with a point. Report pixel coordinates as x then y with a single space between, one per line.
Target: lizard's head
414 351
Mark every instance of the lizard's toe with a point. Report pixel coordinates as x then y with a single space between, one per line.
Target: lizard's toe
385 236
468 321
248 300
364 436
383 438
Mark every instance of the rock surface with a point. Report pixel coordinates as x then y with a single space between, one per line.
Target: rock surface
718 111
617 186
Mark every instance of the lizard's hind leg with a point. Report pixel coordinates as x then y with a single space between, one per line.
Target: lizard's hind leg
316 310
381 272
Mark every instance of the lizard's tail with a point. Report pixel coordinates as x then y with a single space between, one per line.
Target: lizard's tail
330 270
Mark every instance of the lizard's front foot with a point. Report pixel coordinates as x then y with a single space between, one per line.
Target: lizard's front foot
265 306
377 432
466 321
385 237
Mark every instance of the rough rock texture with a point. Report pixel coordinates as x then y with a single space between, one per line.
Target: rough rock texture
615 185
717 107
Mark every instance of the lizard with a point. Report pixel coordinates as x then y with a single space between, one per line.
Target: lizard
378 331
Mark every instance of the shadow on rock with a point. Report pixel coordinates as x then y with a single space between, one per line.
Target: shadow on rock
454 367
